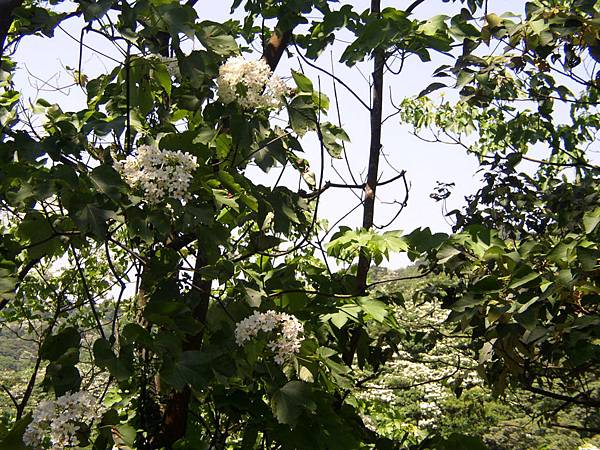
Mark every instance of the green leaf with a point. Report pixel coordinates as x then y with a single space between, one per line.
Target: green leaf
517 282
224 198
493 20
261 241
8 283
161 74
55 346
189 368
487 284
124 436
105 358
431 88
289 402
108 181
35 228
216 39
93 10
591 219
303 82
588 258
135 333
178 18
332 136
253 297
62 378
91 219
301 112
466 302
375 308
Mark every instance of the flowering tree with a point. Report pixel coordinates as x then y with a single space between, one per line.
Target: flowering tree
214 316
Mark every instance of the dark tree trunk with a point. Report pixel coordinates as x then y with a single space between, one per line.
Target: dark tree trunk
175 416
364 261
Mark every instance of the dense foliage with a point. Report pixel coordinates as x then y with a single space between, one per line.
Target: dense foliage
197 305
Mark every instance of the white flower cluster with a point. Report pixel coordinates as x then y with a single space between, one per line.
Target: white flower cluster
55 423
251 84
421 371
286 327
159 173
433 395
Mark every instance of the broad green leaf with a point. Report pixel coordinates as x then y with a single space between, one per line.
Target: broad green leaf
91 219
105 358
302 81
108 181
253 297
215 38
332 138
522 280
375 308
8 282
431 88
55 346
124 436
591 219
189 368
224 198
94 10
301 112
289 402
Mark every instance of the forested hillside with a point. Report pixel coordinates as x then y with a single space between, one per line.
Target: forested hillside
431 386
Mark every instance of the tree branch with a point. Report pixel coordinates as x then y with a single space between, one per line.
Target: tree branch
578 400
348 186
413 6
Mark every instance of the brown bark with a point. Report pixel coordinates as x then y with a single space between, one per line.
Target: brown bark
6 18
175 416
276 46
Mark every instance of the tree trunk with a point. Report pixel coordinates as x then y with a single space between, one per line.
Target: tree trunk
174 421
364 261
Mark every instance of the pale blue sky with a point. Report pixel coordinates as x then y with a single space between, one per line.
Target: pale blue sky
425 164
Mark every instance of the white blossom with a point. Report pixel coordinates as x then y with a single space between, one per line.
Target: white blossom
56 422
286 330
160 174
251 84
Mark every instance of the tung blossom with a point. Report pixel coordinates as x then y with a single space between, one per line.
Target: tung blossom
56 422
285 328
159 173
251 84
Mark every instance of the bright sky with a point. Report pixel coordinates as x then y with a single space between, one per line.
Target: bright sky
43 62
